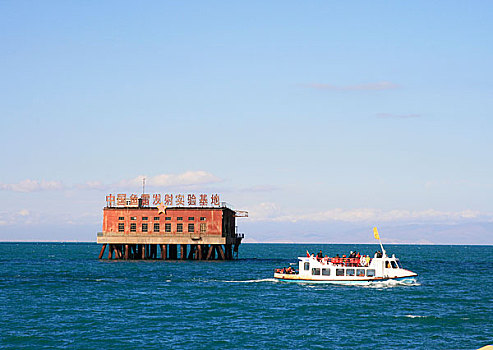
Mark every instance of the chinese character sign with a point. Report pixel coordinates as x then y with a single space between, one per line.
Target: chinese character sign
121 199
110 200
215 200
192 200
134 200
145 199
180 199
203 200
156 199
168 200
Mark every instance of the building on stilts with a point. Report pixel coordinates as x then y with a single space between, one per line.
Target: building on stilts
201 230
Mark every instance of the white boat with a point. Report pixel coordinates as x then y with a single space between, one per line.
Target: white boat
345 270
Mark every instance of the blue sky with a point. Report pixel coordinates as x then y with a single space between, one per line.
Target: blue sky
321 118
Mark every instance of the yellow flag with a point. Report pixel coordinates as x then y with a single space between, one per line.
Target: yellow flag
375 233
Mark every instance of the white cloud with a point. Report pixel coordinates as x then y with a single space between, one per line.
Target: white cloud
378 216
32 186
187 178
382 85
264 211
23 212
92 185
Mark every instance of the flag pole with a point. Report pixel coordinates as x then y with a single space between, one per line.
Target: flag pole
377 236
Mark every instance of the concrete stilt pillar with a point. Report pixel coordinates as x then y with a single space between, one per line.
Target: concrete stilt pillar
102 251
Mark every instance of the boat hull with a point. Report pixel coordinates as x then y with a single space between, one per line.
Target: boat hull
301 279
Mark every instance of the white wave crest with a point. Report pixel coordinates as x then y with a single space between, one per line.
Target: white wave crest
390 284
415 316
253 281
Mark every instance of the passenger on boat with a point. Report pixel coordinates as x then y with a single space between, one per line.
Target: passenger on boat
368 259
319 255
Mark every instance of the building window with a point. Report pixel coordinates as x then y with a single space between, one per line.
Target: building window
167 227
202 218
156 218
203 228
179 218
360 272
133 218
144 218
133 227
179 227
156 227
121 218
191 218
315 271
168 218
307 266
339 272
191 228
370 273
326 272
121 227
144 227
350 272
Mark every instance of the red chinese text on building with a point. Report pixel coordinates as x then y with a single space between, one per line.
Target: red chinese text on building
110 200
156 199
215 199
180 199
203 200
192 200
121 199
145 199
168 199
134 200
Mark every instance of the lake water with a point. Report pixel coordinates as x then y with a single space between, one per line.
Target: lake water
55 295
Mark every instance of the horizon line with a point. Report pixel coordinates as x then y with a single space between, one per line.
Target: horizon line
364 243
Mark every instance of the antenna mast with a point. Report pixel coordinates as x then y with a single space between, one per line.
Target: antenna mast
143 185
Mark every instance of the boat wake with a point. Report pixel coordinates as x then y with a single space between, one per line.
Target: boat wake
390 284
254 281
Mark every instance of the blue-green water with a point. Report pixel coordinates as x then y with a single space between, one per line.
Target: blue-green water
61 295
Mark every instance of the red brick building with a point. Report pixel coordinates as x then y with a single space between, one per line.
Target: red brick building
178 232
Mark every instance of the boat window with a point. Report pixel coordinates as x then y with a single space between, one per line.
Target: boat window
360 272
350 272
315 271
399 264
387 264
370 273
326 272
394 265
307 266
339 272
